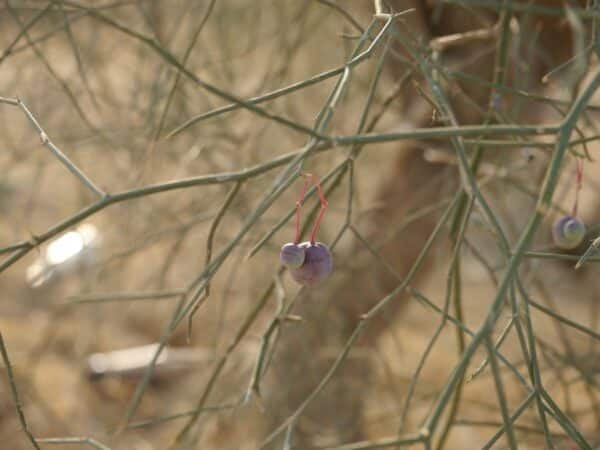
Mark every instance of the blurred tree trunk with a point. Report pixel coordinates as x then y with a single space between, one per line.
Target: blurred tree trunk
307 350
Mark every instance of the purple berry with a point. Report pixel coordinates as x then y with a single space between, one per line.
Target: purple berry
568 232
292 255
318 264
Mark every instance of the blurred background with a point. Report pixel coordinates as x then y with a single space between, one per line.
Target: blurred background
95 288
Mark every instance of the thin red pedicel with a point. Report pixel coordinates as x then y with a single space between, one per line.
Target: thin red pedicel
308 178
568 231
579 184
298 206
309 262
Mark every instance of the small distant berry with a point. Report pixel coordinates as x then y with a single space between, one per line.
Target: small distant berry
568 232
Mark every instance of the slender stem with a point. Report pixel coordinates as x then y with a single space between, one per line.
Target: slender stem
510 435
15 394
578 185
75 441
53 148
209 246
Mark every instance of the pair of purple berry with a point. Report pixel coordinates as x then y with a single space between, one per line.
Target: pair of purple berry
309 262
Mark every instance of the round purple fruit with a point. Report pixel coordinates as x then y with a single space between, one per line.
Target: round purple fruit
292 255
568 232
318 264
